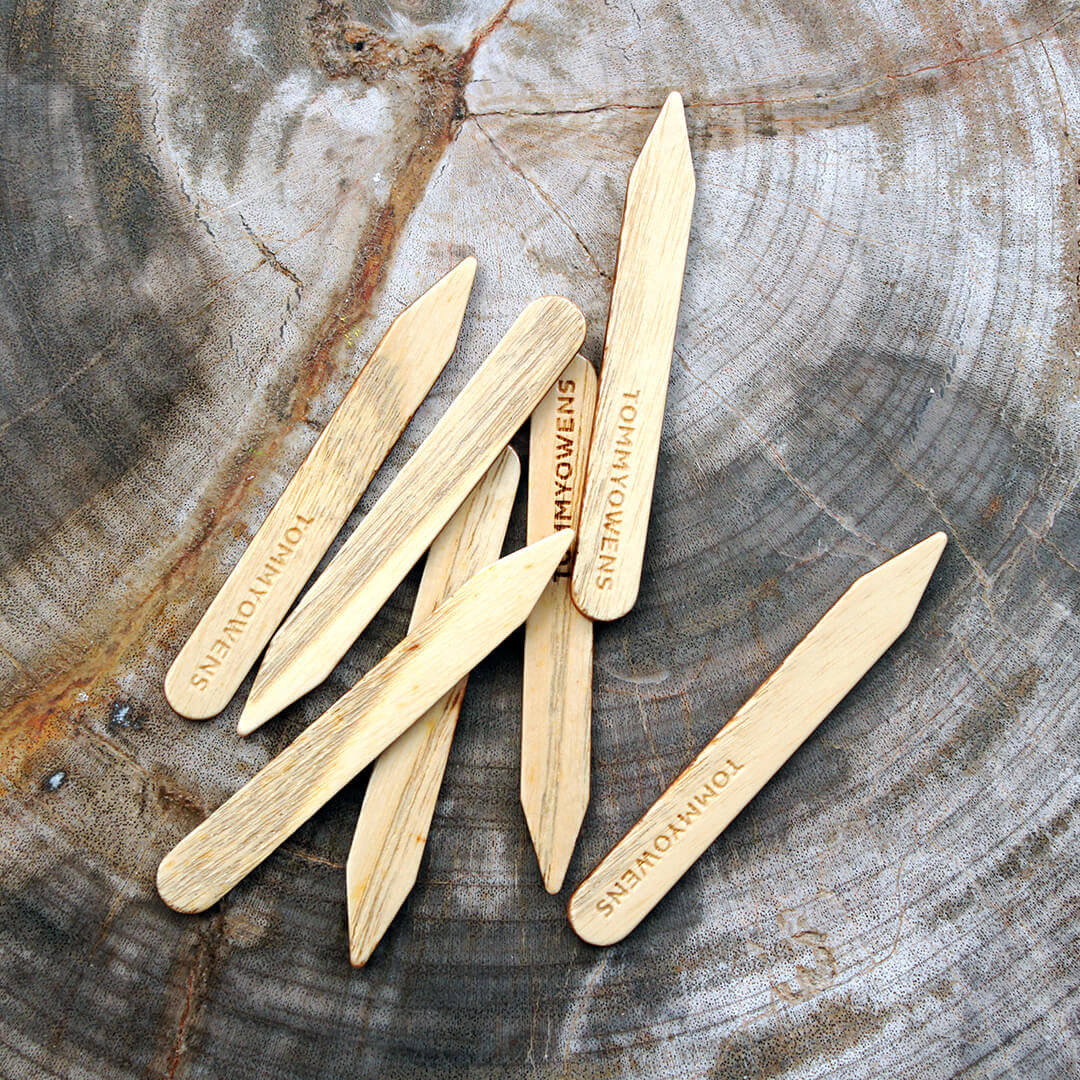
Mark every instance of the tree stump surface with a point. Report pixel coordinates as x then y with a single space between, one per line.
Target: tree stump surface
212 211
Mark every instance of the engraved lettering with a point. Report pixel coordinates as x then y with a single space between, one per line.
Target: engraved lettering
233 629
563 473
617 891
604 579
645 860
282 553
682 820
618 484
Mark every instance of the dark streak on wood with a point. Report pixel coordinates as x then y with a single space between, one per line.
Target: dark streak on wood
198 967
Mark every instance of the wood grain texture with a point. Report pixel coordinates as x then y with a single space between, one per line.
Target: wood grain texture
876 340
747 751
431 659
391 830
318 499
420 501
636 368
556 703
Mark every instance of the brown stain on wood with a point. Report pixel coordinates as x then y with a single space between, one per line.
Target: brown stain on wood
36 715
825 1031
346 47
1022 861
194 972
876 91
991 510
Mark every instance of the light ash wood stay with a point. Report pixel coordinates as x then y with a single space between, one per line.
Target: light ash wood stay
418 503
556 709
424 666
318 499
634 375
399 802
749 749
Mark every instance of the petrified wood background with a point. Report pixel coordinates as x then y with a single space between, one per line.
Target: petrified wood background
210 213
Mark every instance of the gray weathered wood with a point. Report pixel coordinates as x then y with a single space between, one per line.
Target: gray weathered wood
209 212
